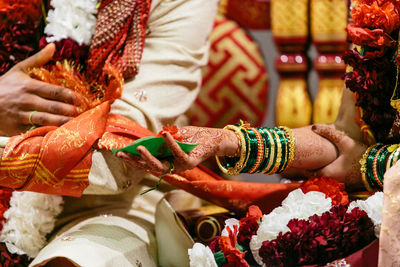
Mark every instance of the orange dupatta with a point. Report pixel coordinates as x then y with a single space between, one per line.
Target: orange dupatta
57 160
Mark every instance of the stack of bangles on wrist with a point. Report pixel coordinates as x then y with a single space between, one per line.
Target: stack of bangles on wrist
261 150
374 163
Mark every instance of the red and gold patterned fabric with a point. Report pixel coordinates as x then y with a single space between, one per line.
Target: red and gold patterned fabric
57 160
235 81
119 36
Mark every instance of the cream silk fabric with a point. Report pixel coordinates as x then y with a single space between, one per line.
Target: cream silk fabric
111 225
389 238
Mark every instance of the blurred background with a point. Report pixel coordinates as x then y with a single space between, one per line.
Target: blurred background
273 62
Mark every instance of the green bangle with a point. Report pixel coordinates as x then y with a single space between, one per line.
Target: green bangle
284 145
267 150
272 158
278 157
370 166
253 151
381 164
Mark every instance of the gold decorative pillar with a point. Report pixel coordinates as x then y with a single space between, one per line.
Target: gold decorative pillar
328 23
289 23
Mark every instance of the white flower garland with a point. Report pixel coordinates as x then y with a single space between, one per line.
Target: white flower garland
297 205
373 207
74 19
32 216
201 256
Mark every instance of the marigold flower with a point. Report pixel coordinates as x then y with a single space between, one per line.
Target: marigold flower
330 187
383 16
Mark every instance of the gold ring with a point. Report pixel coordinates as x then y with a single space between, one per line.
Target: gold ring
30 117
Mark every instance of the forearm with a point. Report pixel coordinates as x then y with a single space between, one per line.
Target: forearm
277 147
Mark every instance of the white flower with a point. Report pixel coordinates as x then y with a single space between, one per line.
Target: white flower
231 222
29 219
75 19
201 256
373 207
297 205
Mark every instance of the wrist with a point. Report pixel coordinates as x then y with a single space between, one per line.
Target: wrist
229 145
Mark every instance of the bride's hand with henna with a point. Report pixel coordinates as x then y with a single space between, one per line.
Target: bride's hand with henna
211 142
346 167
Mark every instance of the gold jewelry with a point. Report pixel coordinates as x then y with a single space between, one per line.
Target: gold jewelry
242 156
278 152
272 149
260 151
363 168
292 145
30 117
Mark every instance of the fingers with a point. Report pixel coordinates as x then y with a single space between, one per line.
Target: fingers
176 150
152 162
134 161
330 170
54 92
49 106
44 119
330 133
38 59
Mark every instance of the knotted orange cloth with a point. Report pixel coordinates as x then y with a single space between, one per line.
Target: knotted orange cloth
57 160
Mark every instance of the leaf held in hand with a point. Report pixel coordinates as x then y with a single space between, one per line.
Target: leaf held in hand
156 146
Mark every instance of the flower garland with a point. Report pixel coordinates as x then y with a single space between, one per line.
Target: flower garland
306 229
18 31
373 76
27 217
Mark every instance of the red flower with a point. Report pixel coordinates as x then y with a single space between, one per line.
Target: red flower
20 10
18 29
365 36
248 225
67 49
8 259
320 239
383 15
213 244
5 195
330 187
233 256
173 130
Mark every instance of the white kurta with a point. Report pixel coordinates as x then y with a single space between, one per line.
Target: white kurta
111 225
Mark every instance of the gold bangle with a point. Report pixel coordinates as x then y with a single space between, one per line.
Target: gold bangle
260 151
363 169
272 147
278 153
292 145
240 163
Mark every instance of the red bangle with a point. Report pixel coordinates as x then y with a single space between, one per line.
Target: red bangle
260 150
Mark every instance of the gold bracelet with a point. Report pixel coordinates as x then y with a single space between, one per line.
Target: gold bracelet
363 168
292 145
272 148
260 151
242 157
278 153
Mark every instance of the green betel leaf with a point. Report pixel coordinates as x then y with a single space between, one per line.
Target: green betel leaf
156 146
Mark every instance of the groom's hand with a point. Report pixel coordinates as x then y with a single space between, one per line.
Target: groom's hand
25 101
